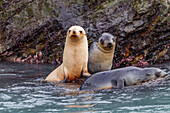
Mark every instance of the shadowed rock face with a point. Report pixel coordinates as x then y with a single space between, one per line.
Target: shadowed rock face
34 31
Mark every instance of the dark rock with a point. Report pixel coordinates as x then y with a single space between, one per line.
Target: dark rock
27 28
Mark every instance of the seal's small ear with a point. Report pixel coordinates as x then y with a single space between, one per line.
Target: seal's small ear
114 38
97 39
148 74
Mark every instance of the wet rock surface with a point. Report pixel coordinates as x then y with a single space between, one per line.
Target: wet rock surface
34 31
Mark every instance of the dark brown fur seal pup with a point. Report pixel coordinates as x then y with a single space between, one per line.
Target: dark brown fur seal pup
75 57
121 77
101 53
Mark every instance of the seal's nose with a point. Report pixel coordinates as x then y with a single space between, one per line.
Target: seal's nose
109 44
74 32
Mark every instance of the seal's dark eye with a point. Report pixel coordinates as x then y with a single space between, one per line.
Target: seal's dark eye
81 32
69 31
101 41
148 74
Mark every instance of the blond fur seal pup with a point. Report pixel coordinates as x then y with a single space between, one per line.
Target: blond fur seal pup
101 53
119 78
75 57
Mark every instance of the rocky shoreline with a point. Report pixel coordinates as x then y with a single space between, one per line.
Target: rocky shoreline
34 31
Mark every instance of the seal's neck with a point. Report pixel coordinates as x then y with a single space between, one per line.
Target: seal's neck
76 42
103 50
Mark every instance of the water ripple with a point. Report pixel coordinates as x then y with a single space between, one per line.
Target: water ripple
21 93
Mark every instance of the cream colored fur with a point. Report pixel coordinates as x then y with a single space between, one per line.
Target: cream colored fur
75 57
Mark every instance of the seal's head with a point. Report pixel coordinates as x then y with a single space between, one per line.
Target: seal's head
154 73
107 42
76 33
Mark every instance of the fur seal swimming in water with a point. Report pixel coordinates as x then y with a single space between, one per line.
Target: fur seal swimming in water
75 57
121 77
101 53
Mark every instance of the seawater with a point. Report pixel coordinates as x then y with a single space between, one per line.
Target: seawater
23 90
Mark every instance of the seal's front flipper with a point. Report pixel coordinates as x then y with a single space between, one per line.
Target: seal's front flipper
114 83
85 72
65 79
120 83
